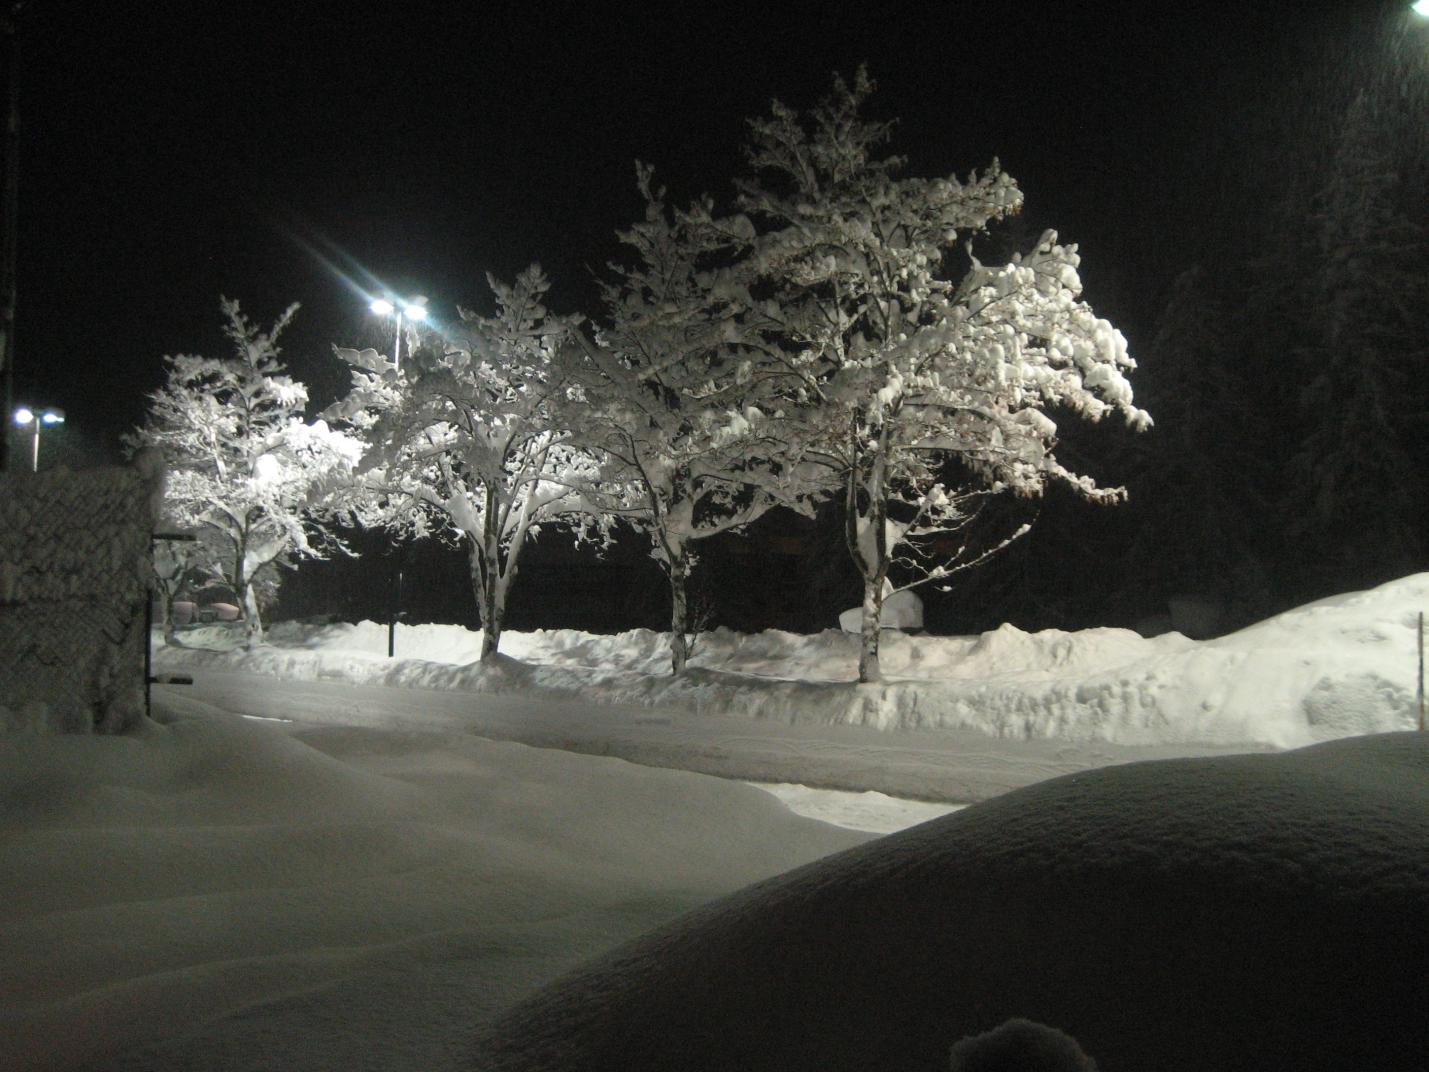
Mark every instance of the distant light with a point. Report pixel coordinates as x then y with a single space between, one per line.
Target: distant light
419 312
382 307
1421 8
49 415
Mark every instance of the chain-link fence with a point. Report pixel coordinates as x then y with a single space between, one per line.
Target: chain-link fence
74 583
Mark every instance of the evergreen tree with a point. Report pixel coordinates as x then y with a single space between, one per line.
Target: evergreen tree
1357 480
1199 481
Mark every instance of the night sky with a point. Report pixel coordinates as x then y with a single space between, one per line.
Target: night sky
175 152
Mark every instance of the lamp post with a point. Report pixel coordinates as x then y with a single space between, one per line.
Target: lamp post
416 309
36 420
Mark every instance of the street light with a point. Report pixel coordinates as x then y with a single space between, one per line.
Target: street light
1421 8
26 416
416 309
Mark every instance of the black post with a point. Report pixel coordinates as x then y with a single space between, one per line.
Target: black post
396 613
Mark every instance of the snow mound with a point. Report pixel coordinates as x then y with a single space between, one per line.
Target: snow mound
1239 912
901 610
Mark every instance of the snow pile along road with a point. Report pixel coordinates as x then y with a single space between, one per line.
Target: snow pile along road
1335 668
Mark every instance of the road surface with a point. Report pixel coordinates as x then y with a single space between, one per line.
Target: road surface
953 766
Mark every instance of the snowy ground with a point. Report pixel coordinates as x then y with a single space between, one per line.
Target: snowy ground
952 765
220 893
357 876
870 811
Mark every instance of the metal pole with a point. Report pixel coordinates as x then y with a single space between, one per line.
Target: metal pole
9 214
397 345
392 621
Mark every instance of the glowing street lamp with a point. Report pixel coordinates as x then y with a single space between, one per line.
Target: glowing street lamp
1421 8
416 309
37 420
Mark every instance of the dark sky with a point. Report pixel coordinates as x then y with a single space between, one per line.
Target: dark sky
176 152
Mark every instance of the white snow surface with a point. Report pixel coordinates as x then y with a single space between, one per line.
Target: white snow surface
1256 911
361 882
875 812
220 893
901 610
1335 668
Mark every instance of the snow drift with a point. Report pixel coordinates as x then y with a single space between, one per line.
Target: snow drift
223 894
1241 912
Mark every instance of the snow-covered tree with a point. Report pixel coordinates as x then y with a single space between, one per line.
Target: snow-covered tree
244 469
181 566
466 440
919 396
672 397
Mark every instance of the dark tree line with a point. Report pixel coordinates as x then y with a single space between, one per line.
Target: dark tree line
1324 322
1286 366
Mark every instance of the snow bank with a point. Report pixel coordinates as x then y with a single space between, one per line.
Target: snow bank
1335 668
218 893
1242 912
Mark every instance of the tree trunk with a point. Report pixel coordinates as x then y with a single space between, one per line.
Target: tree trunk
485 586
679 613
250 613
868 543
167 595
868 668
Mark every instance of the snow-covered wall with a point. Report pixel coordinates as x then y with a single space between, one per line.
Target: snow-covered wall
74 579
